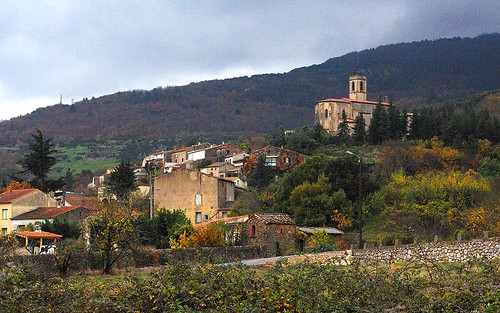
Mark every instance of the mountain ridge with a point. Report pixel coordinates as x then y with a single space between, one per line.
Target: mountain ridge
411 74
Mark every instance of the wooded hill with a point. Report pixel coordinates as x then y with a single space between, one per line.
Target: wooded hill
411 74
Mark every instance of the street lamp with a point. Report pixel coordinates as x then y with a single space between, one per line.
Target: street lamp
360 197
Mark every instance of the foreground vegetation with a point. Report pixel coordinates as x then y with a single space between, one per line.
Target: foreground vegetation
413 287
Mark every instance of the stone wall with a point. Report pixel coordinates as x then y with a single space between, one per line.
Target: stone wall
457 251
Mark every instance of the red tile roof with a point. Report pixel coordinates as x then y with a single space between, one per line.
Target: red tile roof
346 100
38 235
12 195
46 212
92 203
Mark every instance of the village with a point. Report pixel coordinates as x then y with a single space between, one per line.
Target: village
201 183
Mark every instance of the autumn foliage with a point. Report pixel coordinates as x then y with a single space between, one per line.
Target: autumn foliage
14 185
211 235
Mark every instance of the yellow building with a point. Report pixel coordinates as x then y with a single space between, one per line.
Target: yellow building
202 197
16 202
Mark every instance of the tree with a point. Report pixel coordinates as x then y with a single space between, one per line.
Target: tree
211 235
359 134
69 252
121 181
14 185
111 234
259 175
278 137
343 136
62 227
379 126
169 225
39 161
69 180
314 204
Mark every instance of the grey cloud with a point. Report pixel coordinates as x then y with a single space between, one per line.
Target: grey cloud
87 48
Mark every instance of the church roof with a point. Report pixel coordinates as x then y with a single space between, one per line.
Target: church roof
346 100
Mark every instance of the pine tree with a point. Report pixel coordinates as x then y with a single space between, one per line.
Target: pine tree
39 161
343 136
359 134
379 126
278 138
121 181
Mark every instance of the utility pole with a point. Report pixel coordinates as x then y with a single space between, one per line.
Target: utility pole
149 170
360 197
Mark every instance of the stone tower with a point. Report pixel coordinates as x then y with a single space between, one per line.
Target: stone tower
357 87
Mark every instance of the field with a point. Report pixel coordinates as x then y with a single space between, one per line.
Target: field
408 287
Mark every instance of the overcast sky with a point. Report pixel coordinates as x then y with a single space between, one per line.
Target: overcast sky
93 48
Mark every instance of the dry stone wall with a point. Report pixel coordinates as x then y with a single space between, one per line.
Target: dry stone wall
458 251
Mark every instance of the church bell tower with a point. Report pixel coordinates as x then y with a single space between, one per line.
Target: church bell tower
357 87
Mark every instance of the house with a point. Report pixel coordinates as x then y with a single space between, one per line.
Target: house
328 112
16 202
38 215
179 155
219 169
93 203
202 197
274 232
275 156
237 159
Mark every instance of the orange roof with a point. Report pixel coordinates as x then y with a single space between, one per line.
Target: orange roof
241 218
346 100
46 212
38 235
12 195
92 203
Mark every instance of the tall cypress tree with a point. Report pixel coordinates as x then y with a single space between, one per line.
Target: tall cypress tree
121 181
379 126
359 134
343 136
39 161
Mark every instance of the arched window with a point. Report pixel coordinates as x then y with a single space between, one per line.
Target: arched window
326 113
253 231
352 88
361 86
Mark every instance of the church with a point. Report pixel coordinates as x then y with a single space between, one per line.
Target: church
328 112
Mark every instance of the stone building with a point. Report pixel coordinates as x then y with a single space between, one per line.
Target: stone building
328 112
202 197
273 232
277 157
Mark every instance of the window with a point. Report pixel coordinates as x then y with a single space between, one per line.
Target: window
197 199
326 113
4 231
253 231
5 214
206 218
287 160
361 85
352 88
271 161
197 217
224 214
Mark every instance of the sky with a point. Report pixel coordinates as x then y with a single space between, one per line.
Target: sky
82 48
